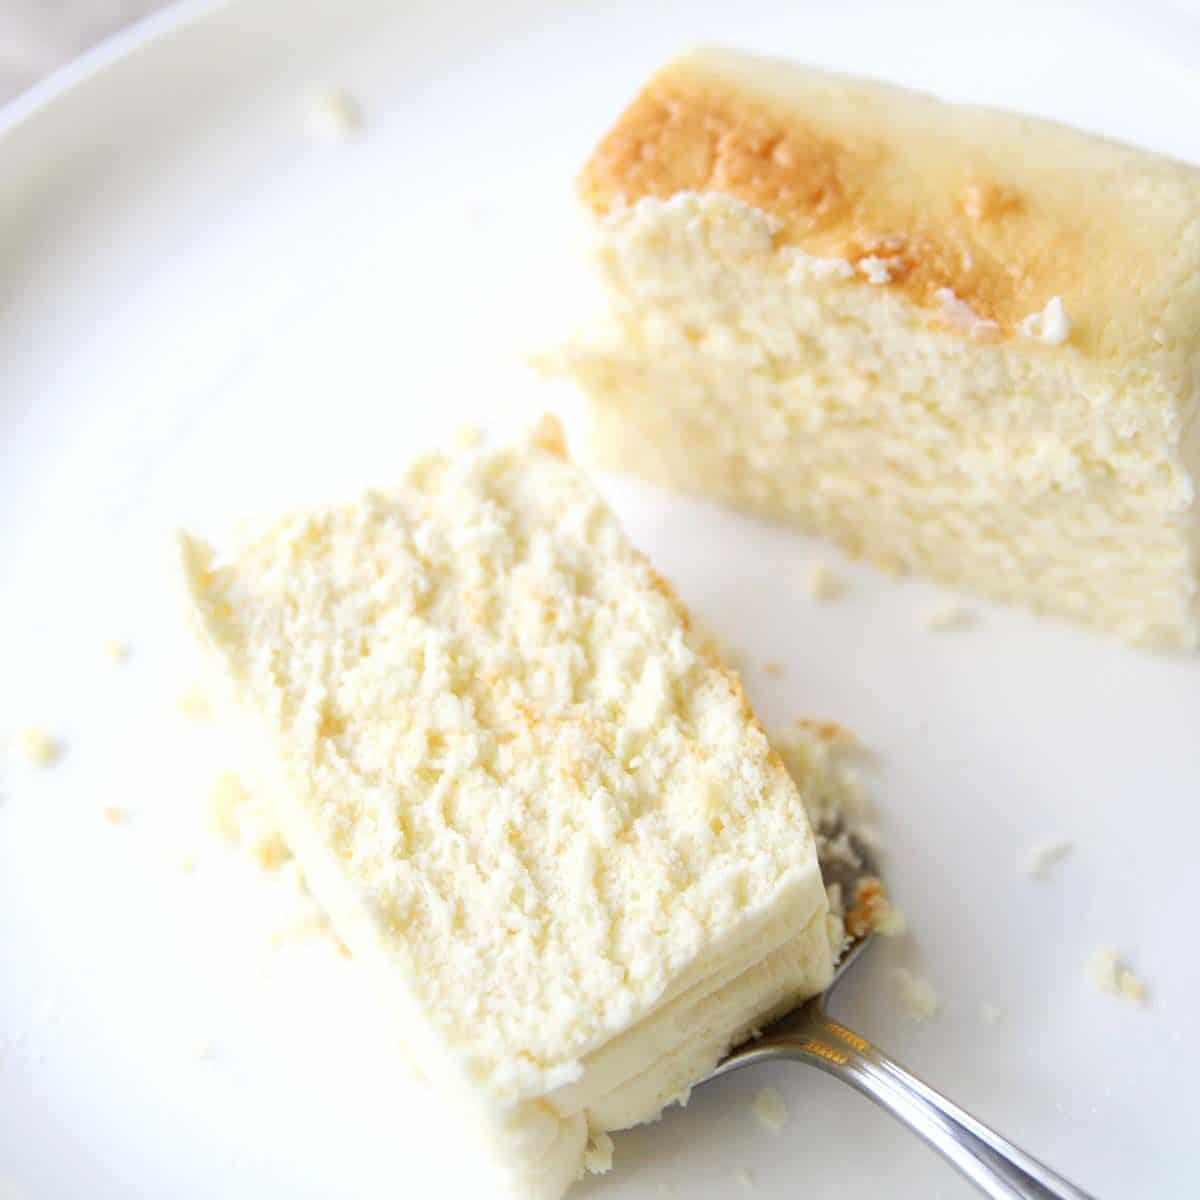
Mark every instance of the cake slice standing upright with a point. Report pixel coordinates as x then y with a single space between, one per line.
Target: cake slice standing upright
953 340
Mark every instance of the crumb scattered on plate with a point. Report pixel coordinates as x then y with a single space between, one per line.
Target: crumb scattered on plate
873 911
991 1014
114 814
824 584
195 703
235 814
204 1050
744 1179
769 1109
916 996
1110 974
117 651
334 114
820 756
598 1157
467 436
773 667
38 746
1045 855
947 616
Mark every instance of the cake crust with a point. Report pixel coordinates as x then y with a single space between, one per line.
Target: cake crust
999 211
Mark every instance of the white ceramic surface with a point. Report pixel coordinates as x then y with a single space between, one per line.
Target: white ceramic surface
203 310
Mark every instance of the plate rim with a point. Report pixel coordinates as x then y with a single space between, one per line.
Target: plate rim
111 49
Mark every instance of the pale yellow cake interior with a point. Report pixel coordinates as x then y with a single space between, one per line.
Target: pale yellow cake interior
532 804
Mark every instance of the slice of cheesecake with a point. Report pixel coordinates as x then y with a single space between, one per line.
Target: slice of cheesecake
953 340
529 799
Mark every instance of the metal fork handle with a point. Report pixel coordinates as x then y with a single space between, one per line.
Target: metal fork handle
992 1163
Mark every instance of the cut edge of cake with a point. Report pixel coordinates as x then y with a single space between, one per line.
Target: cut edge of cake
538 1118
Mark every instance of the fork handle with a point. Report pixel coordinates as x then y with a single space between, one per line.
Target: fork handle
992 1163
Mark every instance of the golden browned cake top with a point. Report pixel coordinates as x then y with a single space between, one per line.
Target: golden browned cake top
1005 211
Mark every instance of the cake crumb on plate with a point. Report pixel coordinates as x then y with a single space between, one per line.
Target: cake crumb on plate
824 584
468 436
114 814
770 1110
1110 974
873 912
947 616
773 667
236 815
1045 855
917 998
38 746
194 703
334 114
117 651
991 1014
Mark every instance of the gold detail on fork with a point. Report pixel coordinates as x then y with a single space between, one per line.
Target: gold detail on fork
826 1052
860 1044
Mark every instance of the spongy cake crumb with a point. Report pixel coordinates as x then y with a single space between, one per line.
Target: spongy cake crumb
947 616
117 651
38 746
1045 855
1051 326
824 584
236 814
916 996
468 436
588 805
334 114
873 911
1110 974
821 757
195 703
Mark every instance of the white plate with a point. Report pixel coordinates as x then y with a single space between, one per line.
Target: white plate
204 310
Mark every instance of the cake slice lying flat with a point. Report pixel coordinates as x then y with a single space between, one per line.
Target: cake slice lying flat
526 798
951 339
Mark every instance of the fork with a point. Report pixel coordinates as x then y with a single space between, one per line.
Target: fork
810 1035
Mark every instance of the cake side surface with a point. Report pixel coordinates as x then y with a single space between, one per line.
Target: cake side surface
527 799
1004 212
954 340
734 363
